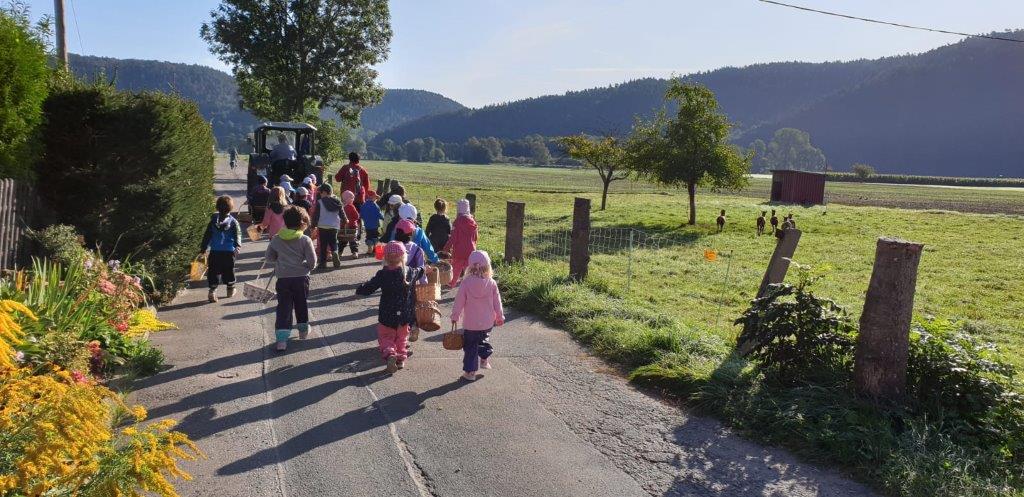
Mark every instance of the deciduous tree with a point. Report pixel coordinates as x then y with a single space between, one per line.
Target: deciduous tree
689 149
287 54
22 87
604 155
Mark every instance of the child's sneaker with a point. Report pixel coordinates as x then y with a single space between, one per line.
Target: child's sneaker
355 255
400 364
392 364
231 292
303 330
485 364
414 334
468 376
281 346
336 260
212 297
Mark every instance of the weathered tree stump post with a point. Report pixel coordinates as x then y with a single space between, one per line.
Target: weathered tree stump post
515 212
880 363
579 254
778 265
472 202
380 187
387 186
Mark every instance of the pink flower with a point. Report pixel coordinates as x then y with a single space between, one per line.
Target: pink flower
78 377
19 357
121 327
107 287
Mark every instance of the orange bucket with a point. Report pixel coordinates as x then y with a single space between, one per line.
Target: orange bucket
378 251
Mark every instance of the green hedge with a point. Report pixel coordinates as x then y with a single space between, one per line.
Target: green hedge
908 179
133 172
23 79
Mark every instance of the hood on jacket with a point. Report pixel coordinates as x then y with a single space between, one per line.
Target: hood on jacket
225 224
464 222
276 207
332 204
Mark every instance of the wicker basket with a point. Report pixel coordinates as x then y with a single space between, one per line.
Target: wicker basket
346 235
244 217
428 316
444 272
197 271
254 233
452 340
427 292
254 291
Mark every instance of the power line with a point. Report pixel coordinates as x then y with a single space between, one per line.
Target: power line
887 23
77 29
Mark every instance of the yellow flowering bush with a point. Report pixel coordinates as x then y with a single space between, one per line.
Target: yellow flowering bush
57 435
145 321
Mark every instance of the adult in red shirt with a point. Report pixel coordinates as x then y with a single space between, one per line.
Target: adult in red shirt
353 178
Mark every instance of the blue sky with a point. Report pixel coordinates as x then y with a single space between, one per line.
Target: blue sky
489 51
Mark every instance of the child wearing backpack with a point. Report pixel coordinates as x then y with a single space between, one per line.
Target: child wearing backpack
328 218
292 253
272 218
478 303
397 309
462 241
439 227
223 238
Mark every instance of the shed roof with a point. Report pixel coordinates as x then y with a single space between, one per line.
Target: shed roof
287 126
819 173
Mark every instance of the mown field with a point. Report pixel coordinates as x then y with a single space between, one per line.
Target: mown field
971 269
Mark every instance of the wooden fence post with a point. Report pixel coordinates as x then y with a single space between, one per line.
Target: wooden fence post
387 187
380 187
579 255
880 362
472 202
778 265
515 212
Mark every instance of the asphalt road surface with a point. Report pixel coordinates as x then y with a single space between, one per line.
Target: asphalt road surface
323 419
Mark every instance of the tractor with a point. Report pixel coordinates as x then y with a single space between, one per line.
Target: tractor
263 161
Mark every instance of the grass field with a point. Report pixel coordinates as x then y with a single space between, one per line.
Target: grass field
672 327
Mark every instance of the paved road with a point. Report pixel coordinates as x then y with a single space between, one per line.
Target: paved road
323 419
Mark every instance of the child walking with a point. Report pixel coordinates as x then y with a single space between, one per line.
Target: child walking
462 241
223 238
272 218
397 310
352 223
293 254
372 216
328 218
439 227
478 303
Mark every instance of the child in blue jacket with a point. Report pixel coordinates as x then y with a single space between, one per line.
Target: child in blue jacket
223 238
372 217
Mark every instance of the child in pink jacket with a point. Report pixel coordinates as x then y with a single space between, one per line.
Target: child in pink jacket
478 303
462 241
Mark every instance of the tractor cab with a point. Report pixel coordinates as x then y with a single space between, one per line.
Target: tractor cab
284 148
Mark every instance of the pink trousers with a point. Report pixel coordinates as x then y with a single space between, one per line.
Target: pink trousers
393 341
458 266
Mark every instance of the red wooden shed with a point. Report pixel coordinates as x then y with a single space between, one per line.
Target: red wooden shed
798 187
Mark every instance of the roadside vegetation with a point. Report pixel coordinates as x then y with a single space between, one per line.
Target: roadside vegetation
668 333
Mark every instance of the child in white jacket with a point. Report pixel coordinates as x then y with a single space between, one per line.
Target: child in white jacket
478 303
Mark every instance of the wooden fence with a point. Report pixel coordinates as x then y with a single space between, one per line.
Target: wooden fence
20 210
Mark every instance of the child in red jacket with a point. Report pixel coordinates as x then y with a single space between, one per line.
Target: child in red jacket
352 224
462 241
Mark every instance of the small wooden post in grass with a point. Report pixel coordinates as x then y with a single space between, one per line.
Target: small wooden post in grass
579 251
880 362
515 212
472 202
387 186
778 265
380 187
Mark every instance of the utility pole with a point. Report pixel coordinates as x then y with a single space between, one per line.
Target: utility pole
62 39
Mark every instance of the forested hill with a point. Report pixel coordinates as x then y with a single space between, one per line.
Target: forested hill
215 93
955 110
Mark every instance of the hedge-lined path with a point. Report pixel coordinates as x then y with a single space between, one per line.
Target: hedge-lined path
323 419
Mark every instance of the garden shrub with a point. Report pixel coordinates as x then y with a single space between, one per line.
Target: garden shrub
133 172
23 86
59 243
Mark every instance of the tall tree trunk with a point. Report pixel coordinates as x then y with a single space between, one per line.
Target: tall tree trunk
691 190
604 193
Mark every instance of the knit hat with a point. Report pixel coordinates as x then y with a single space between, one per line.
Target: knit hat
462 207
308 180
325 189
405 226
347 196
394 200
301 191
479 258
285 177
407 211
394 248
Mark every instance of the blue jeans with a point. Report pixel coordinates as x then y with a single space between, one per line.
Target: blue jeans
475 347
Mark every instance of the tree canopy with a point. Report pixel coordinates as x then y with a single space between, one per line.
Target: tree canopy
604 155
291 54
789 148
689 149
23 87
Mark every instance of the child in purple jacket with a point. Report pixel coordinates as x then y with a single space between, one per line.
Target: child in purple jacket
478 303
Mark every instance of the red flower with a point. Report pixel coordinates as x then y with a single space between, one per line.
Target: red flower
78 377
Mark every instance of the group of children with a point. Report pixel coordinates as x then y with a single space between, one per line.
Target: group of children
392 226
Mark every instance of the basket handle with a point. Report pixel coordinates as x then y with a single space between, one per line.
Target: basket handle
259 275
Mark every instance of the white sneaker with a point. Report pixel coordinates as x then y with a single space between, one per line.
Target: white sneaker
485 364
469 376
